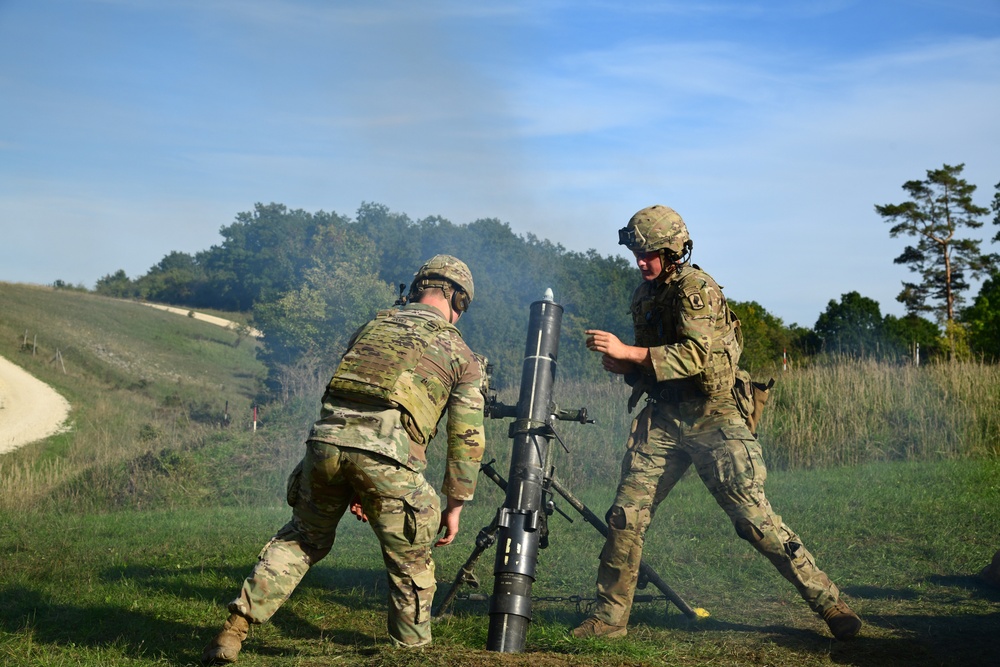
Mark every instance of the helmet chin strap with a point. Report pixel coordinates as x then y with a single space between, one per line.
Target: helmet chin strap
449 294
686 257
446 291
669 266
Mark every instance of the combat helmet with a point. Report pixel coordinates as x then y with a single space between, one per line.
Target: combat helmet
657 228
448 273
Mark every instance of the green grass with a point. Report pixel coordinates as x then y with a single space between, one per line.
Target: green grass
123 345
139 381
122 540
902 539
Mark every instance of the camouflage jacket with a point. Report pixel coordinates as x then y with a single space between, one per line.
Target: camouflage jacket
385 426
693 337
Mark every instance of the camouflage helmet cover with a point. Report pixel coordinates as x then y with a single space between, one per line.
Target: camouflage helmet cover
447 267
656 228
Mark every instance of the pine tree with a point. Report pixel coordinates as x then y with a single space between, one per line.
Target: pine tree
938 208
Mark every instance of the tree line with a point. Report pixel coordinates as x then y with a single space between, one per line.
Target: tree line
309 279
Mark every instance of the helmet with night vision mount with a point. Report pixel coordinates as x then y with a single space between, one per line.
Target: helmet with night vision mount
657 228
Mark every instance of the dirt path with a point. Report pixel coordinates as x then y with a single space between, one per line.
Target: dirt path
211 319
29 409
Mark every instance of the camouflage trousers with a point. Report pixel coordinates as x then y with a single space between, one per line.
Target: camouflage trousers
402 509
663 443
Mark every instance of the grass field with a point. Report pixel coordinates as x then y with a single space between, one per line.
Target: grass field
122 540
147 587
140 381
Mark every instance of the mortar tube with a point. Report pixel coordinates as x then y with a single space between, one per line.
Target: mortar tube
520 517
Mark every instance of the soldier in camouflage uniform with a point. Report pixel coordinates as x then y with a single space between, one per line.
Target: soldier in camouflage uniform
687 346
400 373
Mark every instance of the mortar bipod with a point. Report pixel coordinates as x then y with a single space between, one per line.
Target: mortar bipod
487 538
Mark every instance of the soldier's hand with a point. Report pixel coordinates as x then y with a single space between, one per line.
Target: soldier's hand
356 508
617 366
618 357
605 343
449 521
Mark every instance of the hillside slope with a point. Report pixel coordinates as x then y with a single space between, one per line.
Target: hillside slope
138 379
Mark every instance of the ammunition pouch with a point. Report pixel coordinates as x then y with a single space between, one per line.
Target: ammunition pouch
294 485
751 397
412 428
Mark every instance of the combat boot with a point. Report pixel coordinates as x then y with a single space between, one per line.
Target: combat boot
226 645
843 622
595 627
991 573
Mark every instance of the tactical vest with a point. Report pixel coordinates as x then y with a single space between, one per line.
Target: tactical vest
381 368
655 316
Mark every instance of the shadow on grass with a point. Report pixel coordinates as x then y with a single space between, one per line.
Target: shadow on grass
142 632
960 636
354 588
137 634
965 638
972 584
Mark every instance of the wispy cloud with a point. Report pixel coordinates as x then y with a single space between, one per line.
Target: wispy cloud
773 127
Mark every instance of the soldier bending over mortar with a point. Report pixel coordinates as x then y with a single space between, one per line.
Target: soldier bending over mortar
400 373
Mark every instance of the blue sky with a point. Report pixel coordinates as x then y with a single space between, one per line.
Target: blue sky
132 128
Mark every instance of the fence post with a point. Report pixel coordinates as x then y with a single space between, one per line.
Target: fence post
59 358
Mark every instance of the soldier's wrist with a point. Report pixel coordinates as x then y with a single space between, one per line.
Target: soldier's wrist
455 504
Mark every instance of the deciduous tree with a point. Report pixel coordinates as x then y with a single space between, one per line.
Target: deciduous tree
765 336
982 319
306 329
853 326
116 285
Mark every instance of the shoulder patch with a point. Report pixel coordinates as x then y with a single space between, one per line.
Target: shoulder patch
696 301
